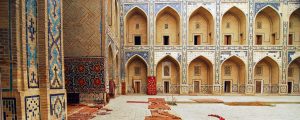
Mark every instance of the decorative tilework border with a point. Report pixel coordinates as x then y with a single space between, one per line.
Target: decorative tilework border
54 44
159 6
259 6
143 6
30 109
31 43
57 106
143 54
9 108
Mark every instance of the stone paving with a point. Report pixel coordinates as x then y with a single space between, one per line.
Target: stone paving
199 111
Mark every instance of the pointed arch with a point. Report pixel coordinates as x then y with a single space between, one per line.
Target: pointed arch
201 27
233 75
168 75
167 27
267 27
110 63
136 74
234 24
294 28
266 76
135 8
293 76
134 56
169 56
136 27
200 75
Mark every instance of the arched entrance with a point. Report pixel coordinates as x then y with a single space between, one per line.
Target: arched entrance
200 75
136 75
233 74
294 28
136 27
294 76
110 64
266 76
168 27
267 27
117 74
201 27
234 27
168 75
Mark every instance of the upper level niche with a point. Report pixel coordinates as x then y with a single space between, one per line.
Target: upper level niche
294 28
201 27
136 28
167 27
234 27
267 27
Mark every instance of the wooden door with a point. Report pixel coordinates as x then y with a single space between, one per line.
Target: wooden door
258 86
227 40
166 86
196 86
137 87
258 40
290 39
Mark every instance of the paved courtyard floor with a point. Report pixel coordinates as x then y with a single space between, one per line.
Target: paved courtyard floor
188 110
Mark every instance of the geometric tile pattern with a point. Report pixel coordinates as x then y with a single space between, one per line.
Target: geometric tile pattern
143 54
31 43
128 7
9 109
159 6
57 107
85 75
54 44
227 54
258 6
32 107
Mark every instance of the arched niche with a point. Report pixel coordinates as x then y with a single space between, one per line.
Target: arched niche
233 75
266 76
167 27
136 27
267 27
294 28
200 75
168 75
201 27
234 27
294 76
136 75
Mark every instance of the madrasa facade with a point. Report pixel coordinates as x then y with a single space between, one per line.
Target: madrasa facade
54 52
208 46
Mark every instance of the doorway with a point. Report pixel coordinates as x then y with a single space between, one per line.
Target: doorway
258 39
166 86
227 86
166 40
196 86
290 39
137 86
137 40
197 40
258 86
290 86
227 40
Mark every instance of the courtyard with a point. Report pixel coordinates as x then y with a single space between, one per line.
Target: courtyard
284 108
